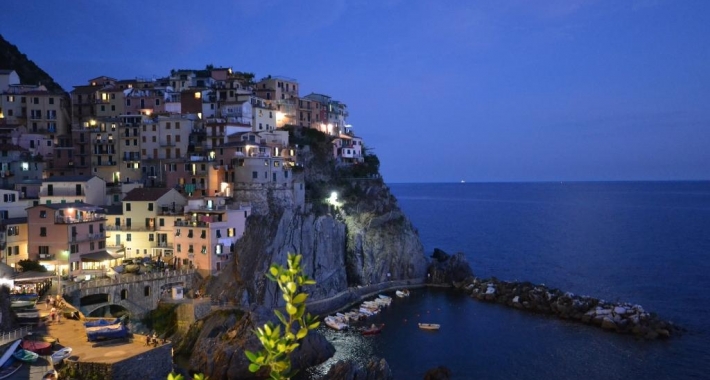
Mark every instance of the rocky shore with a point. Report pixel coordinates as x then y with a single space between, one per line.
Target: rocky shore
624 318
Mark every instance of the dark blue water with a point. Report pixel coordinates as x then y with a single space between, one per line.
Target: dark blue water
641 242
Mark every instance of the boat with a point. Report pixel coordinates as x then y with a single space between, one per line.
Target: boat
7 355
42 348
102 322
10 367
21 304
51 375
402 293
429 326
25 356
373 330
335 323
60 355
116 331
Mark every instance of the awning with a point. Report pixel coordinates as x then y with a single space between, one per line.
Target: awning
116 250
97 256
34 276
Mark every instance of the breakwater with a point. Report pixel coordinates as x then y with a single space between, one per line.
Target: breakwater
624 318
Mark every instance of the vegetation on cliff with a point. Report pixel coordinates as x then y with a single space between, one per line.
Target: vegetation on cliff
12 59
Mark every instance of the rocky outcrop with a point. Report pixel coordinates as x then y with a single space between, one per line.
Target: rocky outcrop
216 345
623 318
448 269
347 370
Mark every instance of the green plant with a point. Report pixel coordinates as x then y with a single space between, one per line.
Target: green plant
278 345
197 376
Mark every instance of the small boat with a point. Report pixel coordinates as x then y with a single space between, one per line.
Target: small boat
373 330
9 368
402 293
429 326
60 355
51 375
42 348
21 304
335 323
7 355
25 356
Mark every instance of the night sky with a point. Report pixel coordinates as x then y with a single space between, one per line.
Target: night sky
442 91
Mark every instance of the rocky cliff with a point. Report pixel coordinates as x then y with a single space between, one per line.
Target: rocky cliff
363 238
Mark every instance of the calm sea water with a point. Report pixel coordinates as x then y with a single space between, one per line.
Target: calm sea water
641 242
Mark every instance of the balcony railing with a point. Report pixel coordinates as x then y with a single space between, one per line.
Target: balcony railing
84 219
88 237
129 228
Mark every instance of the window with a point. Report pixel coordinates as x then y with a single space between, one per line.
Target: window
167 125
150 206
204 249
177 232
179 248
203 234
74 248
124 294
128 207
102 244
42 231
189 233
190 249
161 222
254 175
43 213
151 237
218 249
91 246
177 125
219 233
91 228
146 291
128 237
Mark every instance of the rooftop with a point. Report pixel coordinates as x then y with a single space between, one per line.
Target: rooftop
69 178
145 194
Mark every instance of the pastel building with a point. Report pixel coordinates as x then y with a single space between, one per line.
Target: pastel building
145 228
73 189
71 237
206 235
13 240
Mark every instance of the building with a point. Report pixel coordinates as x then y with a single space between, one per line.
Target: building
348 149
73 189
206 235
145 228
70 237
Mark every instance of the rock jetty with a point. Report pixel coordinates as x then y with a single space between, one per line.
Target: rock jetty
624 318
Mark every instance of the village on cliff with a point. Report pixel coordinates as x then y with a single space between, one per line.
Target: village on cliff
160 169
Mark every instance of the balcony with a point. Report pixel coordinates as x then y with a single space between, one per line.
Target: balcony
83 219
161 244
129 228
88 237
46 256
106 163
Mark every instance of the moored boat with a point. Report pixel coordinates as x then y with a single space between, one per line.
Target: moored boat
10 367
7 355
335 323
429 326
373 330
59 356
402 293
25 356
38 347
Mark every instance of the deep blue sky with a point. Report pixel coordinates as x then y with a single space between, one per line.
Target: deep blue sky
441 90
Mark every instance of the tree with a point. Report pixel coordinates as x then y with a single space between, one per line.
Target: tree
28 265
278 345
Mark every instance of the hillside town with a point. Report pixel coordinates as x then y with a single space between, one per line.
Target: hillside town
163 169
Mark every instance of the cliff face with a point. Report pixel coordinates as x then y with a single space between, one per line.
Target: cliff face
365 239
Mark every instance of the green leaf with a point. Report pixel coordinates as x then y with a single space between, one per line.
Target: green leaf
254 367
302 333
300 298
291 286
274 271
252 356
291 310
280 316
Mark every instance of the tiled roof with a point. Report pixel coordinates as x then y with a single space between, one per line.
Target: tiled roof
145 194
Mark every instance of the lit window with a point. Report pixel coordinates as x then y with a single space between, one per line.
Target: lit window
198 95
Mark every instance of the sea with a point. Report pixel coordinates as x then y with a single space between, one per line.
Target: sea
646 243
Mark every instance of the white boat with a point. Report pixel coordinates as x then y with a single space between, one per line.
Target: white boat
402 293
429 326
60 355
335 323
8 353
51 375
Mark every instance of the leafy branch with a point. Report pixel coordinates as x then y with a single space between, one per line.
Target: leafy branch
279 343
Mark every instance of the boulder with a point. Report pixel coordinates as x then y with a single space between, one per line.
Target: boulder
347 370
608 324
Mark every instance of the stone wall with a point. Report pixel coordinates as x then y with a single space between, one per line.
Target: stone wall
188 313
155 364
136 300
